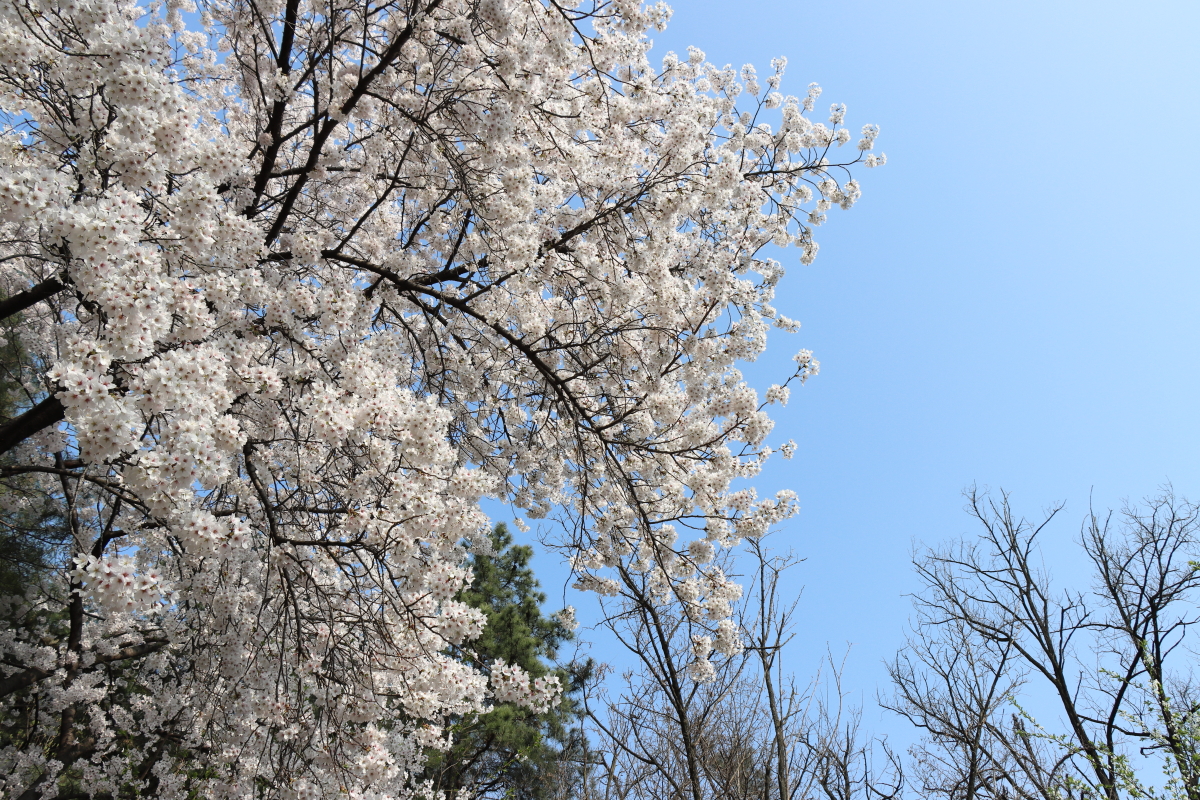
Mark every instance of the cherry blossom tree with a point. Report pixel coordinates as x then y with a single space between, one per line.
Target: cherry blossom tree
300 283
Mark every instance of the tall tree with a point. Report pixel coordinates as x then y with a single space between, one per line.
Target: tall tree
305 281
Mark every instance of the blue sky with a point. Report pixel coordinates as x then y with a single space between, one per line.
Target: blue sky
1013 301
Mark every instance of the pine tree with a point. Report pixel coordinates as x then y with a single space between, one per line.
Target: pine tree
510 751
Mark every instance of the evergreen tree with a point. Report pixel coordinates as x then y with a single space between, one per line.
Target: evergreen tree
510 751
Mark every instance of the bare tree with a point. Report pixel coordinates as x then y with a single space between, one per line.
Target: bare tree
753 732
993 637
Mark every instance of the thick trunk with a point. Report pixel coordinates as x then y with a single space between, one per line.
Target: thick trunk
23 300
41 416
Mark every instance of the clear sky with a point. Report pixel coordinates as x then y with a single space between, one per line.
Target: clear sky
1013 302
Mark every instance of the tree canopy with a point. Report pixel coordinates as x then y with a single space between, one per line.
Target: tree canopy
299 284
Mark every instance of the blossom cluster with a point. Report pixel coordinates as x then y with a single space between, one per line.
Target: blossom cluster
115 583
511 684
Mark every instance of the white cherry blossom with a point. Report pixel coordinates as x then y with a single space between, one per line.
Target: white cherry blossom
301 283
